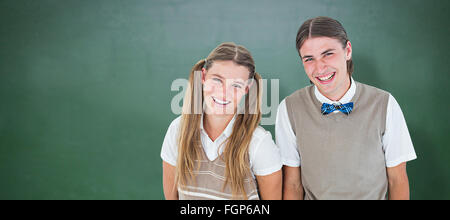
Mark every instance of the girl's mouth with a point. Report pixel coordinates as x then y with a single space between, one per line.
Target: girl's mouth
325 79
220 102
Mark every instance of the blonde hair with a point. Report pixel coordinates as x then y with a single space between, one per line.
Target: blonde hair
235 154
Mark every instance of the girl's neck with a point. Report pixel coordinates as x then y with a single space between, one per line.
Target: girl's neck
214 125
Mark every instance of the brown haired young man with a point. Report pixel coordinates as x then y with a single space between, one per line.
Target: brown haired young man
338 138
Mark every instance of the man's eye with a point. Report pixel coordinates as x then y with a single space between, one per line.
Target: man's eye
307 60
328 54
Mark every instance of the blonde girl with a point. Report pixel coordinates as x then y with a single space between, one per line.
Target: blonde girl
216 148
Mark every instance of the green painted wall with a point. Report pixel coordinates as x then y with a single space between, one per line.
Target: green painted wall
85 85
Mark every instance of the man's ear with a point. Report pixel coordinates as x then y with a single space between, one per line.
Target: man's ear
348 51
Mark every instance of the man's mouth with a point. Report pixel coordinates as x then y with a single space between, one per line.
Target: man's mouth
220 102
326 78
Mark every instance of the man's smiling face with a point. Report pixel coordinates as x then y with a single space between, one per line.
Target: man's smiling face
325 63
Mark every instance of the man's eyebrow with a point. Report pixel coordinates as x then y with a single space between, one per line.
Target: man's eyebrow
326 51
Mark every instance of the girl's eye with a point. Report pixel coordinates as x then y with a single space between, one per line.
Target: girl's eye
217 80
237 86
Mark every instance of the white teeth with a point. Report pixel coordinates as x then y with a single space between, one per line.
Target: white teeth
221 102
326 78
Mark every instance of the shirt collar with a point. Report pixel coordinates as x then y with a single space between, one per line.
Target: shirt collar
228 130
345 99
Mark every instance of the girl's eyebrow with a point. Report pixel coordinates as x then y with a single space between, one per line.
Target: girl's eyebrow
221 77
239 82
217 75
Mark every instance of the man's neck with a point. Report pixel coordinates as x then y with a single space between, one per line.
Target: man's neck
336 96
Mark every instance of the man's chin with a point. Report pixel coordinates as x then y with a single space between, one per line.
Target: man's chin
326 90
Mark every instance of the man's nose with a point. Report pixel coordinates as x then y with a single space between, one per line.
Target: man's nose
320 67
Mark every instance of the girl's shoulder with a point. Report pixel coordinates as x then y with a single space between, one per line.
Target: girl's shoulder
261 135
263 153
260 132
175 124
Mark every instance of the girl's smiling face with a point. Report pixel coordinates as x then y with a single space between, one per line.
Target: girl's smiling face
325 63
224 85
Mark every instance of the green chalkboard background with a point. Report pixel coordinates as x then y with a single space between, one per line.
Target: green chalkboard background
85 85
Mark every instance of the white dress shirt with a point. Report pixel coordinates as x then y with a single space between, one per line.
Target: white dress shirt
264 155
396 141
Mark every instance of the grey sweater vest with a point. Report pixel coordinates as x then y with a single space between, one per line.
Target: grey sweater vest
341 155
210 181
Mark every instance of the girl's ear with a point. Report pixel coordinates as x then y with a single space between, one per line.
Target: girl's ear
249 85
203 75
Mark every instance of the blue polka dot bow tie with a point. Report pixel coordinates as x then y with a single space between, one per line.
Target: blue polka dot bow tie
344 108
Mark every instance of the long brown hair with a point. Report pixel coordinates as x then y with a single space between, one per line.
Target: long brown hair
235 154
323 27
